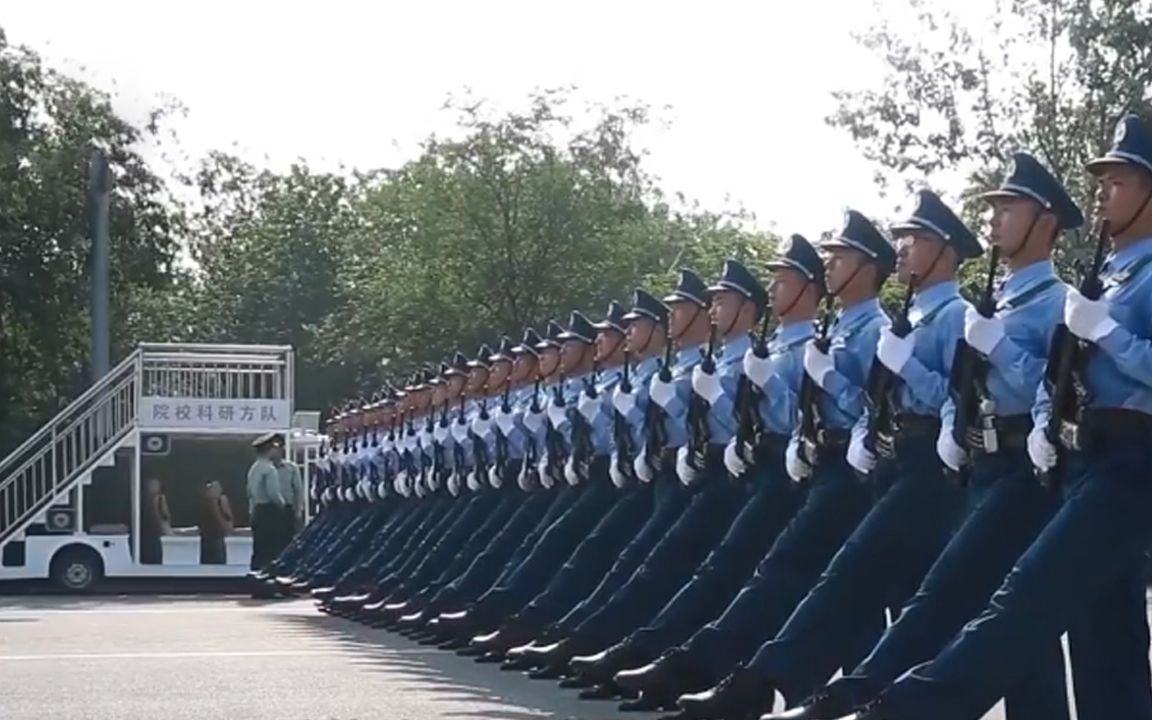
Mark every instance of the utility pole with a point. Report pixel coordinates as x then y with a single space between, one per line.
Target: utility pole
99 192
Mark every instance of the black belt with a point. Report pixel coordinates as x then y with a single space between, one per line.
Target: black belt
1103 427
833 437
906 426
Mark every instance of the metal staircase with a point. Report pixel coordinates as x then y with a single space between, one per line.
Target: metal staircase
49 463
85 434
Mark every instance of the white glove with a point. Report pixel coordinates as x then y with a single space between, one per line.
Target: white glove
570 473
618 478
349 494
494 478
381 490
546 478
688 476
557 415
589 407
982 333
707 385
624 402
950 453
816 363
894 351
1042 452
398 484
758 369
418 487
523 480
661 392
326 496
454 484
474 483
798 468
736 466
1088 319
642 469
506 421
534 421
460 431
482 427
858 455
433 482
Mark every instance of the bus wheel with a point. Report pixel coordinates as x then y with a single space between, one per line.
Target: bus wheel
76 569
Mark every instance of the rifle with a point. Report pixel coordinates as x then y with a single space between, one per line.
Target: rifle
501 458
529 471
810 393
748 424
655 434
553 441
621 437
582 450
882 385
698 432
968 383
1068 357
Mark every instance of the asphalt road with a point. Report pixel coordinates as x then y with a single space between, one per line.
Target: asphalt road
178 658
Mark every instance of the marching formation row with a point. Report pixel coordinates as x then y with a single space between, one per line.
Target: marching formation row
738 491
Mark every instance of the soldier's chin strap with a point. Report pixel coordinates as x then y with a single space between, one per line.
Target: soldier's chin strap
859 266
1027 236
1120 229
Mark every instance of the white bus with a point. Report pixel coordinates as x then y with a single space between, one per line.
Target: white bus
173 417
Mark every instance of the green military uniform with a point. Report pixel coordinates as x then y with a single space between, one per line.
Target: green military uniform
267 504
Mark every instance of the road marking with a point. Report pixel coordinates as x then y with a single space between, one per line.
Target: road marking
163 655
37 612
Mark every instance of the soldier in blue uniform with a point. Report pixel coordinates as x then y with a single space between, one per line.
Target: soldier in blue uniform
1083 574
630 464
833 498
766 497
713 501
1007 507
884 560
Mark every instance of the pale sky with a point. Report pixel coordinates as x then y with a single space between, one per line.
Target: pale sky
360 83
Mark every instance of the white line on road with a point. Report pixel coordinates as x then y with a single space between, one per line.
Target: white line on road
164 655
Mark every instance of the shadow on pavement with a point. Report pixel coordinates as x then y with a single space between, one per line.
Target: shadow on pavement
453 679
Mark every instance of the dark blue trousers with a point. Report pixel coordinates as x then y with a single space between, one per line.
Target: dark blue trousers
1082 575
552 548
771 501
591 559
486 566
1007 510
447 544
834 502
880 566
510 500
668 499
705 520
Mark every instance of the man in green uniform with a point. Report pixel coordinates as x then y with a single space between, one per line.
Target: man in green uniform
267 501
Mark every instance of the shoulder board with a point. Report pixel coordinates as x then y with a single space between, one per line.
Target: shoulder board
931 315
1029 294
1132 270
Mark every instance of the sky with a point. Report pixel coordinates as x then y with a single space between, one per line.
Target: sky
746 84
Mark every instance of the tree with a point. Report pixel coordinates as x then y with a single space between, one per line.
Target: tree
1052 77
48 123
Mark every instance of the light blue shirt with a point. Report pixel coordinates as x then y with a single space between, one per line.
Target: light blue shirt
1031 304
1120 375
937 318
676 413
729 368
852 347
640 378
779 395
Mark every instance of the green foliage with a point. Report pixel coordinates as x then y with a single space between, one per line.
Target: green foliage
515 219
1048 76
48 124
